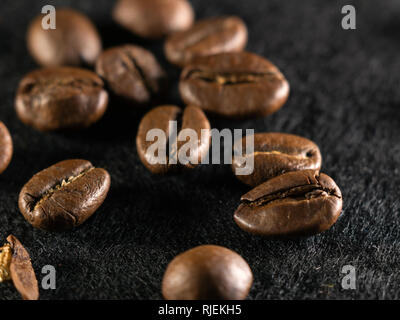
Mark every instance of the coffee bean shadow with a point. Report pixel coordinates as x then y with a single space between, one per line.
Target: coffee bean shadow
113 34
119 123
157 210
8 291
391 29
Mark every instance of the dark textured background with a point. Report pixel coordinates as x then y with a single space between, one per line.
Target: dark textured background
345 96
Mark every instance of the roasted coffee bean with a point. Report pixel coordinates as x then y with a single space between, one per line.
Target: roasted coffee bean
132 73
154 18
74 41
298 203
15 265
6 147
60 98
159 118
207 272
275 154
235 84
64 195
206 37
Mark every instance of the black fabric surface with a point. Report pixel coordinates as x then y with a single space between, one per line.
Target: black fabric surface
345 96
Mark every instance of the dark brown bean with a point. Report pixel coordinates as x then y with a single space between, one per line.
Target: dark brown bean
60 98
64 195
298 203
154 18
236 85
159 118
277 153
75 40
207 272
132 73
6 147
206 37
21 271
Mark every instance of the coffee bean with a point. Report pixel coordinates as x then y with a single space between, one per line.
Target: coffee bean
207 272
74 41
154 18
60 98
64 195
275 154
21 270
6 147
132 73
236 85
159 118
298 203
206 37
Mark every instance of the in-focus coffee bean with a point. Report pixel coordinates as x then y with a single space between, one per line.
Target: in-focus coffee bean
159 118
277 153
75 40
64 195
15 265
298 203
6 147
154 18
207 272
235 84
60 98
132 73
206 37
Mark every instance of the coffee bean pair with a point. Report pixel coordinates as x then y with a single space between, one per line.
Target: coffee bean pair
291 197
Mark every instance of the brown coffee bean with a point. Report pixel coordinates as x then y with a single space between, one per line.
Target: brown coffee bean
132 73
74 41
235 84
275 154
207 272
206 37
154 18
6 147
21 270
298 203
159 118
64 195
60 98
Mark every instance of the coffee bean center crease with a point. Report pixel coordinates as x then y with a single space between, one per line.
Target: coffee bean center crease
229 78
57 187
299 193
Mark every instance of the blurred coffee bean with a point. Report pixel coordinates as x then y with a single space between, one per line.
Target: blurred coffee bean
154 18
207 272
74 42
6 147
207 37
132 73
